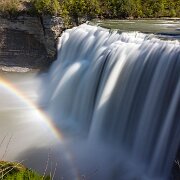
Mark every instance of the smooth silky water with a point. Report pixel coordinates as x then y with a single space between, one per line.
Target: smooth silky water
108 108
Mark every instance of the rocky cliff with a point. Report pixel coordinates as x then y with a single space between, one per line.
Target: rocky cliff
29 42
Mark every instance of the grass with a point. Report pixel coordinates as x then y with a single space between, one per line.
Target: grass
16 171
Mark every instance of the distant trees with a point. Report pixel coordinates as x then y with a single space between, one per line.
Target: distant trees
122 8
153 8
172 8
140 8
75 9
118 8
81 8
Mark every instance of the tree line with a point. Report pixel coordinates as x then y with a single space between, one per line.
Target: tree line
89 9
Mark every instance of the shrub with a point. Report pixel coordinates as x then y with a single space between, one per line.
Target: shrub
51 7
81 8
9 6
172 13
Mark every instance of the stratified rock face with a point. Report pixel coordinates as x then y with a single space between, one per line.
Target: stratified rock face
52 27
18 48
28 42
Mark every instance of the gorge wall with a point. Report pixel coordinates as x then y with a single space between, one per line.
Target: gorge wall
29 42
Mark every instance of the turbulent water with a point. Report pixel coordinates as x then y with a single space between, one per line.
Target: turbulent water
120 93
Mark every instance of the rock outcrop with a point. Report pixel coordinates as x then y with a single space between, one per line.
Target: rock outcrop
29 42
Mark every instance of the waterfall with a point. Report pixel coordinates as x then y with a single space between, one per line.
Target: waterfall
122 89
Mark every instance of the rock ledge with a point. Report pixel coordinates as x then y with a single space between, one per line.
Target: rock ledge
29 42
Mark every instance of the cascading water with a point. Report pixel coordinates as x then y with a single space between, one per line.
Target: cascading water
122 90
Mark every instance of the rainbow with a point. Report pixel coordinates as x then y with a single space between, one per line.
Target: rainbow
42 116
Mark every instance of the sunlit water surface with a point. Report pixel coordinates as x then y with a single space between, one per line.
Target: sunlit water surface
169 28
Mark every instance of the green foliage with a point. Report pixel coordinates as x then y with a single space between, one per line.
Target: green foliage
80 8
157 8
51 7
116 8
138 8
16 171
74 10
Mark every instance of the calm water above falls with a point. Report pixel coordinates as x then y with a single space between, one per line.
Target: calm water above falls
115 97
169 28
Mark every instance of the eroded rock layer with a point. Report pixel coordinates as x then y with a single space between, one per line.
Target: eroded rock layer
29 41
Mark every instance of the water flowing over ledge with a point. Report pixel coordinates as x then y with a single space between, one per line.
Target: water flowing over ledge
122 90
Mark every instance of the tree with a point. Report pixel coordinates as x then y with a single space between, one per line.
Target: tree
177 7
120 8
81 8
157 8
137 11
51 7
92 9
88 9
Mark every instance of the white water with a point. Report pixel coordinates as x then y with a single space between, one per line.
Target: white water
122 91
